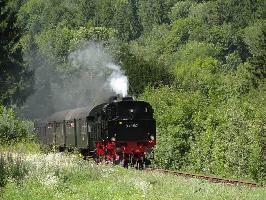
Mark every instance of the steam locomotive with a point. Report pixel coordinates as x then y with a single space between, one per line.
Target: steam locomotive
122 131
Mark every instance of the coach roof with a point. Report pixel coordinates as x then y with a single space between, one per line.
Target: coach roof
77 113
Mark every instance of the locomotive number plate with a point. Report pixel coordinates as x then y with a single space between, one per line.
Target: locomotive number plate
135 125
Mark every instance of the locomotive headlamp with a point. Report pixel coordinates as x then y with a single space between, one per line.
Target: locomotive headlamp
152 137
113 139
131 110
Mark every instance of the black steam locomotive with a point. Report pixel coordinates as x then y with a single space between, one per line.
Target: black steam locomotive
121 131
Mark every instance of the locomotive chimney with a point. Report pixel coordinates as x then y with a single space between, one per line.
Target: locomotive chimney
128 98
113 99
118 98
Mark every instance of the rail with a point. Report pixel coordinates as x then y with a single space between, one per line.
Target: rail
212 179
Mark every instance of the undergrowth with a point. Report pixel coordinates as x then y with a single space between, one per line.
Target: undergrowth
57 176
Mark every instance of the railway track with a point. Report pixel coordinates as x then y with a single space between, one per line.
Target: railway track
212 179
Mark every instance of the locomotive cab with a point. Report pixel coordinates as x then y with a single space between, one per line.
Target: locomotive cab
130 121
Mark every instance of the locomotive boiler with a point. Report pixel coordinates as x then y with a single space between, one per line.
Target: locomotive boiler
122 131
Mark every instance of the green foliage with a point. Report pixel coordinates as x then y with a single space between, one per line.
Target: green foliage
232 143
24 146
142 72
255 38
11 168
214 52
174 112
151 46
198 75
120 15
15 77
37 15
195 133
180 33
201 64
13 130
154 12
56 44
56 176
181 10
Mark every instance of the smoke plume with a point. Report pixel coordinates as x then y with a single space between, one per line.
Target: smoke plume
97 62
89 77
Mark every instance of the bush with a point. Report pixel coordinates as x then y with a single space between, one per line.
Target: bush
232 143
195 133
12 167
175 111
13 130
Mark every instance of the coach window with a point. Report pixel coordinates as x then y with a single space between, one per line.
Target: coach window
50 125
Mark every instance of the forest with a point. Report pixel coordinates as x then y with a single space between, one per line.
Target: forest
200 63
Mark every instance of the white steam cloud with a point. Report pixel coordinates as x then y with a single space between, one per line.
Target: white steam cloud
117 80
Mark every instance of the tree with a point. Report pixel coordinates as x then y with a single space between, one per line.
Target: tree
255 38
154 12
126 20
142 72
15 77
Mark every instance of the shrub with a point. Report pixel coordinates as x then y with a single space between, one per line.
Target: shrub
12 167
13 130
195 133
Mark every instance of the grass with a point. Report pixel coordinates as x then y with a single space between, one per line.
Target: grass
21 147
60 176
